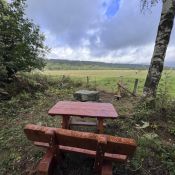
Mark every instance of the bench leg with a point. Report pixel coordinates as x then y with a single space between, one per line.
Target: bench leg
106 168
100 151
47 163
100 126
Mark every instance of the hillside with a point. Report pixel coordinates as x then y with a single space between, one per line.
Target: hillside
55 64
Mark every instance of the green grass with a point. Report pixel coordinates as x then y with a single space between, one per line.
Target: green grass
18 156
107 79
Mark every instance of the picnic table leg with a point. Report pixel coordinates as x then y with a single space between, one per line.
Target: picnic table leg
100 126
65 122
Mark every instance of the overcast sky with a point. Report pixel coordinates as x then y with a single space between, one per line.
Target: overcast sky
99 30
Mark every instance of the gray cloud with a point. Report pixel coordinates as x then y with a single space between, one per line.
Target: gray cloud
77 24
130 27
68 20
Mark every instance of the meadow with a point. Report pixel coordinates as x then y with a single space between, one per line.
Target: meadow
107 79
34 95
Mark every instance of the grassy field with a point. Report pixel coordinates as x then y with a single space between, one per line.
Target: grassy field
107 79
36 94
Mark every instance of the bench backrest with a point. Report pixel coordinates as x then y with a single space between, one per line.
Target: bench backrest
84 140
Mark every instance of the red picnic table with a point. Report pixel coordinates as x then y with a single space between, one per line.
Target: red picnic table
100 111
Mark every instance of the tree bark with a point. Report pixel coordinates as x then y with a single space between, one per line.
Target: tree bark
161 44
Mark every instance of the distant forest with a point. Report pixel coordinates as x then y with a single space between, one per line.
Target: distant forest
55 64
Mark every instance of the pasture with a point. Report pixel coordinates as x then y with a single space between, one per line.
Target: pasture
107 79
37 94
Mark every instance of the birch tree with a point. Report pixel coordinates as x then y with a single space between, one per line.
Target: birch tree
161 44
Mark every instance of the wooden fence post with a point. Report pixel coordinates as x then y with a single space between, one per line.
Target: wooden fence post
135 86
95 84
87 83
118 91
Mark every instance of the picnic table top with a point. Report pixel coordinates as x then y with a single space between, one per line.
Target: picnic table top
84 109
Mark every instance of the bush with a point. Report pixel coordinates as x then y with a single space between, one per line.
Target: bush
21 44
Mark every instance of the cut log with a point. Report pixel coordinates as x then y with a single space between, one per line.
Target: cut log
127 90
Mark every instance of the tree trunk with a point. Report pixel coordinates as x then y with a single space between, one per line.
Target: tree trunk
161 44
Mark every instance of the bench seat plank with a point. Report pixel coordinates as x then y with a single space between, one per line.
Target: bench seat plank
84 140
107 156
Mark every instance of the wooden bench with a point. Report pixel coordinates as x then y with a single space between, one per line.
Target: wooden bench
103 148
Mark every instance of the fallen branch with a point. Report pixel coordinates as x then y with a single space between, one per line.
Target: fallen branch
120 85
